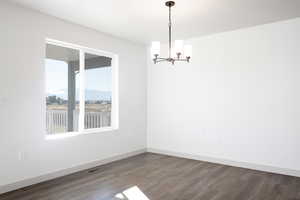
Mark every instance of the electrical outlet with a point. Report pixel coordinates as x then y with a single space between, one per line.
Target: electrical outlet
21 155
203 131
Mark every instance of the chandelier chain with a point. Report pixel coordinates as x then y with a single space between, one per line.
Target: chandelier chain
170 32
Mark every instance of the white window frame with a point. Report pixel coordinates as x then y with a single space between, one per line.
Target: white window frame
115 90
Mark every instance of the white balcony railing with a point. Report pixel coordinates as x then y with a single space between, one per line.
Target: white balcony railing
57 120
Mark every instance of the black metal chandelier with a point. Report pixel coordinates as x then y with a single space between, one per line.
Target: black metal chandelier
180 52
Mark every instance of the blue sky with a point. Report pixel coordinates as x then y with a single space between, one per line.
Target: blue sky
57 77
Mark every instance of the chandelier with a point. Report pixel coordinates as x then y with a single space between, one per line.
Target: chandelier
180 52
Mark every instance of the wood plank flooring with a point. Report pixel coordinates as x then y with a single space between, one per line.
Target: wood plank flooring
160 177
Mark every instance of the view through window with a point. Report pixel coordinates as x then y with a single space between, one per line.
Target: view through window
97 91
63 77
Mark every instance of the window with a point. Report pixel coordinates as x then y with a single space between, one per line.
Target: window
80 89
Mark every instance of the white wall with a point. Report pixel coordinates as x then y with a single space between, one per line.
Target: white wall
22 97
238 99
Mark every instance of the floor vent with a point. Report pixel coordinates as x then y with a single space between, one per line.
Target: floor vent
92 170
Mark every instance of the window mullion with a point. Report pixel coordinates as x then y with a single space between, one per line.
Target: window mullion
81 91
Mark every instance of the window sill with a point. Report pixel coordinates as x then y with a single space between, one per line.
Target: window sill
73 134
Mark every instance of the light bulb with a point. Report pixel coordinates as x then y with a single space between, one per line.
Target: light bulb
188 50
179 46
155 48
173 53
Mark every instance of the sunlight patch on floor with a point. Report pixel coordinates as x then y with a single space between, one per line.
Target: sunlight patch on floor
133 193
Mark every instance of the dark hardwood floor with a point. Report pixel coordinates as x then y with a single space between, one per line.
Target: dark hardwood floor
165 178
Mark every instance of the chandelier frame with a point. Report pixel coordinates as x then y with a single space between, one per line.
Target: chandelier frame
158 59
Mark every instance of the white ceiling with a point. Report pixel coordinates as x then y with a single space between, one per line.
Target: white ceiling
143 21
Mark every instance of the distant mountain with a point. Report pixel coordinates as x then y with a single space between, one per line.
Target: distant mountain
91 95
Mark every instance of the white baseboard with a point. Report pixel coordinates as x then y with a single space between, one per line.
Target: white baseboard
59 173
265 168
